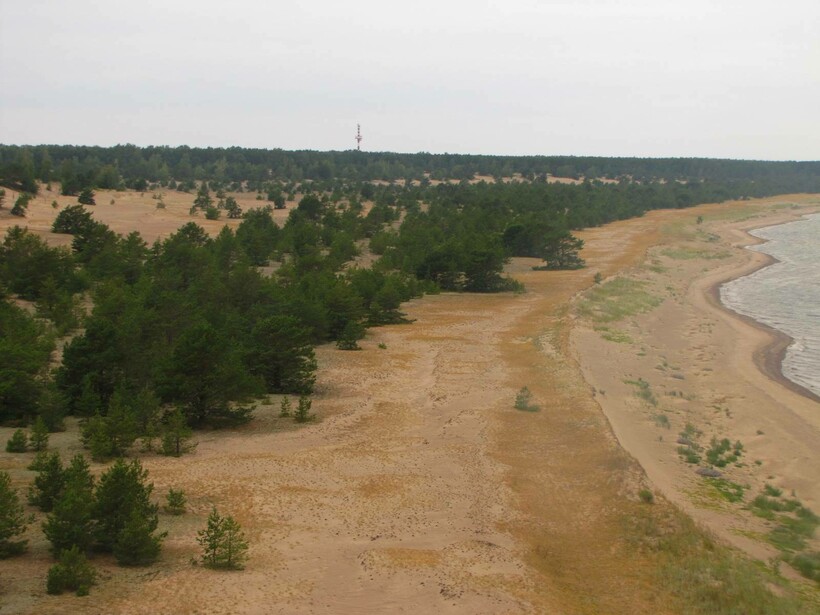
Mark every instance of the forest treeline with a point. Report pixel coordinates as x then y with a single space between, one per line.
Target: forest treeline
200 325
131 166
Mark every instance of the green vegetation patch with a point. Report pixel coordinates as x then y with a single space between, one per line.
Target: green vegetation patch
686 253
795 526
614 335
689 449
643 390
729 491
722 452
617 299
523 401
807 564
704 577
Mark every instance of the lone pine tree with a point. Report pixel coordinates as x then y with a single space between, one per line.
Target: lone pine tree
223 543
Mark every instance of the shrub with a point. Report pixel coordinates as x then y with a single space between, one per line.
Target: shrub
21 205
523 401
647 497
18 443
72 572
86 197
807 564
176 502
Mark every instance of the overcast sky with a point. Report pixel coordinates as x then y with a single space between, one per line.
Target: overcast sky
716 78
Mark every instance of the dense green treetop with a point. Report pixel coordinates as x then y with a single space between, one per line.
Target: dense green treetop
79 167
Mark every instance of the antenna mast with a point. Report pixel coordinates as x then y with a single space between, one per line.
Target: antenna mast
358 137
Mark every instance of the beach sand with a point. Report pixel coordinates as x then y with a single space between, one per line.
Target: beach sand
712 368
421 489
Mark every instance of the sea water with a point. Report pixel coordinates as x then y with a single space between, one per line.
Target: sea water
786 294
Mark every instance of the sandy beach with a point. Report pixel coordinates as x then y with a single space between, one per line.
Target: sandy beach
421 489
712 368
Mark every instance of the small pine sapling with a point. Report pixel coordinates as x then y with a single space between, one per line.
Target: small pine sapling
13 519
523 401
38 441
18 443
223 543
285 407
176 502
303 414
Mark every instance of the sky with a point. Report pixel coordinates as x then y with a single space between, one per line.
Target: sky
649 78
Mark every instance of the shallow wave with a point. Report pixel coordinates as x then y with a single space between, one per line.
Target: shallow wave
786 295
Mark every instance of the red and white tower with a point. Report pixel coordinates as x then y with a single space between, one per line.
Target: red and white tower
358 137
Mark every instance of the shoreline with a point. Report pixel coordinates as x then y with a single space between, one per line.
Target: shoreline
767 357
705 365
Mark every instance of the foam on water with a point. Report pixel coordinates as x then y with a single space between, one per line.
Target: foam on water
786 295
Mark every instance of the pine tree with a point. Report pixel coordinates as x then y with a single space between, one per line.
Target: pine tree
234 545
176 435
52 407
203 198
39 435
233 208
72 572
281 352
145 406
95 437
86 197
349 337
18 443
79 472
48 484
523 400
21 205
210 539
89 402
151 432
111 435
176 502
120 491
39 462
13 520
303 414
136 545
223 543
70 523
121 424
285 407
